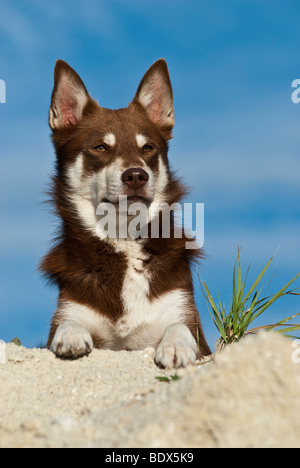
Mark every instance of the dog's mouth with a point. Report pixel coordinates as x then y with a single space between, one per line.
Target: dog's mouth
139 199
130 200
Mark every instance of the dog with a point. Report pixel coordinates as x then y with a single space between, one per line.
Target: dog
118 293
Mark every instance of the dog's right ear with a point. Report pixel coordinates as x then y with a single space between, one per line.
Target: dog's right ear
69 97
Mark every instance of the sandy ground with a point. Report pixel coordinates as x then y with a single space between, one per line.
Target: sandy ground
248 396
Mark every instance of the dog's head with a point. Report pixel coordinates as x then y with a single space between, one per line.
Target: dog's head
103 154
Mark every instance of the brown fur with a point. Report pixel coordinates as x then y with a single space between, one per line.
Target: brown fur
86 269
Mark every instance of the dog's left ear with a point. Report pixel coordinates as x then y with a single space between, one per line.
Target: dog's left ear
156 96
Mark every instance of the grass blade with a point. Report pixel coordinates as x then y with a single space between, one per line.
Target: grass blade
275 297
217 319
258 280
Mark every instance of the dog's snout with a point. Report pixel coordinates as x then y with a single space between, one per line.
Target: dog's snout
135 177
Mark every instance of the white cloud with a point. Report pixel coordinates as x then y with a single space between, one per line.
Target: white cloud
17 28
241 150
258 244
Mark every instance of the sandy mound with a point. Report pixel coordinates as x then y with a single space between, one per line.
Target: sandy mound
248 396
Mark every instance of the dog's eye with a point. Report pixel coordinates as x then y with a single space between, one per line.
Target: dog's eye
101 148
147 148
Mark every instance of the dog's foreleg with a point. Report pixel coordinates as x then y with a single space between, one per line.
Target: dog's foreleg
178 347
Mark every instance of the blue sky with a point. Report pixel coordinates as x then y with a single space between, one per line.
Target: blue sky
236 140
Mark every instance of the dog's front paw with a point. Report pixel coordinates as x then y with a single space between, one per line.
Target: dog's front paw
174 355
71 340
178 347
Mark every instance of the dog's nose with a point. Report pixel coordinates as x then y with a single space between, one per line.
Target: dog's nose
135 177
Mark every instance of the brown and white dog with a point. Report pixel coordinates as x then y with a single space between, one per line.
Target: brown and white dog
119 294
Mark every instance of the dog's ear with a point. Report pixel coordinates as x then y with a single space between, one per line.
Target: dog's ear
69 97
156 96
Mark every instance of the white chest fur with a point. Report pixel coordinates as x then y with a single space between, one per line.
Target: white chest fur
144 321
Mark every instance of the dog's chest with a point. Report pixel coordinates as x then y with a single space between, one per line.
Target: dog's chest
144 319
135 292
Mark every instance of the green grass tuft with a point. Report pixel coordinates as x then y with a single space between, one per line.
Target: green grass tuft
247 307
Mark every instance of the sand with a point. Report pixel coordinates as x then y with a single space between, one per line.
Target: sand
247 396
